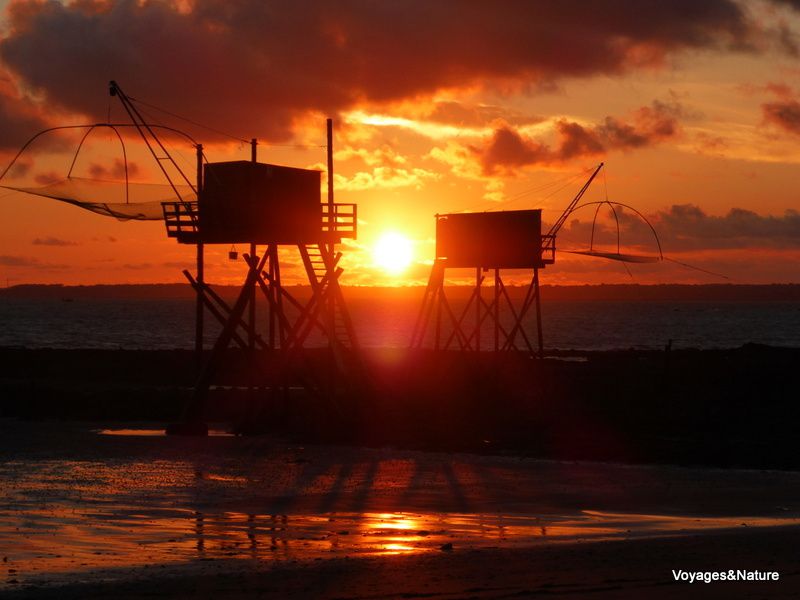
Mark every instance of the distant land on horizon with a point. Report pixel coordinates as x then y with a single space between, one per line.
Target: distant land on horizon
601 292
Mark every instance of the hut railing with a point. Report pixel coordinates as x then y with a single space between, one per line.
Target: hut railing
548 249
180 219
343 221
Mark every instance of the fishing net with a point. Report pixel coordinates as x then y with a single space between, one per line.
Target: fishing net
616 208
123 201
631 258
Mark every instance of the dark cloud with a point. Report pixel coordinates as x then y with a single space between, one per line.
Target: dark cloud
650 123
575 141
685 227
17 261
20 168
52 241
787 40
24 261
19 118
115 171
793 3
255 67
778 89
783 113
48 178
710 143
507 150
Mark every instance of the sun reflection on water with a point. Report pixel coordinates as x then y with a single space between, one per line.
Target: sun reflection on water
57 540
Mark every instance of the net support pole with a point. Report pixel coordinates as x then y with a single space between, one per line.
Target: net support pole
271 252
497 310
251 316
331 216
199 308
251 325
198 330
537 292
478 309
331 300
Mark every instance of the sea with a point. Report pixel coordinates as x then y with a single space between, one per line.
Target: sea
144 324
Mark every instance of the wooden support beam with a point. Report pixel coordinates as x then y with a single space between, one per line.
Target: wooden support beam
194 410
198 318
497 284
220 310
539 312
478 320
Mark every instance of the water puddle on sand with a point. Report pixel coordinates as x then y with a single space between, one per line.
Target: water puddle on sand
154 432
55 544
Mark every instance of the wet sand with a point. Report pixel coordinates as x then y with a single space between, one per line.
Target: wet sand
86 514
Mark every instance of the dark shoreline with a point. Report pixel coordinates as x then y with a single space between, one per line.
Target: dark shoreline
723 408
620 292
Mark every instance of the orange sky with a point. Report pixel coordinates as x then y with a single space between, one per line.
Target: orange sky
453 106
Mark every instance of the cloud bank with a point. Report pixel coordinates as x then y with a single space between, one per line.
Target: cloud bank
687 227
257 68
508 150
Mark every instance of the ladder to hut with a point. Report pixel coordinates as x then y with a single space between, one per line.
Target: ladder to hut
323 271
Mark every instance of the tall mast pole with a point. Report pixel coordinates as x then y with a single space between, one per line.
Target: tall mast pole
331 216
199 309
557 225
251 326
331 300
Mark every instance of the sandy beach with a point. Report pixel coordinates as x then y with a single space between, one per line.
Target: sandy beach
99 510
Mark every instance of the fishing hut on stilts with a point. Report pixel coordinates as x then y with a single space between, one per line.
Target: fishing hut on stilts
267 208
291 349
489 243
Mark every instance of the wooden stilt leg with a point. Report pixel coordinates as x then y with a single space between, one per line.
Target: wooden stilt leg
538 312
198 332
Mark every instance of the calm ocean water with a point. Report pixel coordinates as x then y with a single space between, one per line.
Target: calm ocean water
166 324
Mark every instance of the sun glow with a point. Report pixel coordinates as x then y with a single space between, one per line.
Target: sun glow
393 253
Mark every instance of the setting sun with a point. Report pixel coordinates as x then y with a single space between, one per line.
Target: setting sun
393 253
